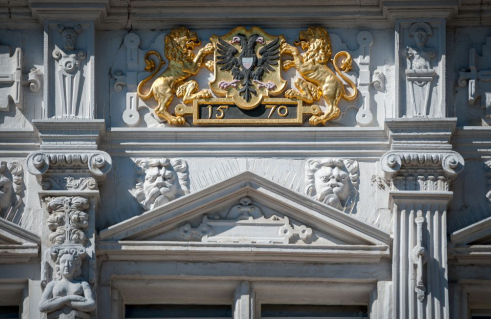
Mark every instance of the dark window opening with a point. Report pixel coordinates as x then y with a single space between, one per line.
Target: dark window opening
9 312
310 311
178 311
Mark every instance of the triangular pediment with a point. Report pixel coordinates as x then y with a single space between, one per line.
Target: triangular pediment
219 215
476 234
16 243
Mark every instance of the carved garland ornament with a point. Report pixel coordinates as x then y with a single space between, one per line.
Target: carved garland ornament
247 81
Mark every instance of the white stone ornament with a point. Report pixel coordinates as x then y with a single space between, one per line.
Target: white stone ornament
332 181
68 295
245 224
479 77
160 181
12 79
11 187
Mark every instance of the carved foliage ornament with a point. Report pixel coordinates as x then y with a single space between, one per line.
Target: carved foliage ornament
332 181
160 181
68 219
247 78
11 185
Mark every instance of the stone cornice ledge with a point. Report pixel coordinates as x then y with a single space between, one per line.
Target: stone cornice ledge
420 198
70 133
420 133
195 251
362 143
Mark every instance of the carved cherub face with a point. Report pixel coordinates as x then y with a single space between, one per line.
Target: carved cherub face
68 266
7 194
331 180
160 186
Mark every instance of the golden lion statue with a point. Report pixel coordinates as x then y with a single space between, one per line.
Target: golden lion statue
318 79
179 44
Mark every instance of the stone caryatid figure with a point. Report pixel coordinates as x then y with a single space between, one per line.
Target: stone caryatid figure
419 73
68 296
331 180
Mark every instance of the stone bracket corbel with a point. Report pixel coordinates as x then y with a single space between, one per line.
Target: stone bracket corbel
95 164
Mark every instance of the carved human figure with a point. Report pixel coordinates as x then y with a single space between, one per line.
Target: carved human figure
330 180
419 73
10 188
164 181
419 57
68 296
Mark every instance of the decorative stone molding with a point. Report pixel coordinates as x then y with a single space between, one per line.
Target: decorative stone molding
333 181
69 93
245 223
69 183
364 117
12 79
67 219
11 187
160 181
478 77
93 163
421 171
378 80
420 68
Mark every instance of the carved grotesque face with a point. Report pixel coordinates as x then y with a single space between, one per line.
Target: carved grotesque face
69 36
68 266
420 37
161 186
7 197
331 185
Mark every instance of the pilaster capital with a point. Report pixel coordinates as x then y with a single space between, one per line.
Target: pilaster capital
450 163
84 164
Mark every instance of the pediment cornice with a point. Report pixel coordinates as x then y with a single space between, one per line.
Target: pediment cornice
16 243
227 193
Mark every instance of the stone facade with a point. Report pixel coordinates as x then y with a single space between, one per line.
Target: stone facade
135 176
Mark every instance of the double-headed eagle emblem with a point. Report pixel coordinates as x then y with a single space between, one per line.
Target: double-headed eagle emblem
247 66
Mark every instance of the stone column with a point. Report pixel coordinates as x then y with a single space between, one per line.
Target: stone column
70 198
420 193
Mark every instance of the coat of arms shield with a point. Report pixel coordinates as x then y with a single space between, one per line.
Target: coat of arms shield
247 66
